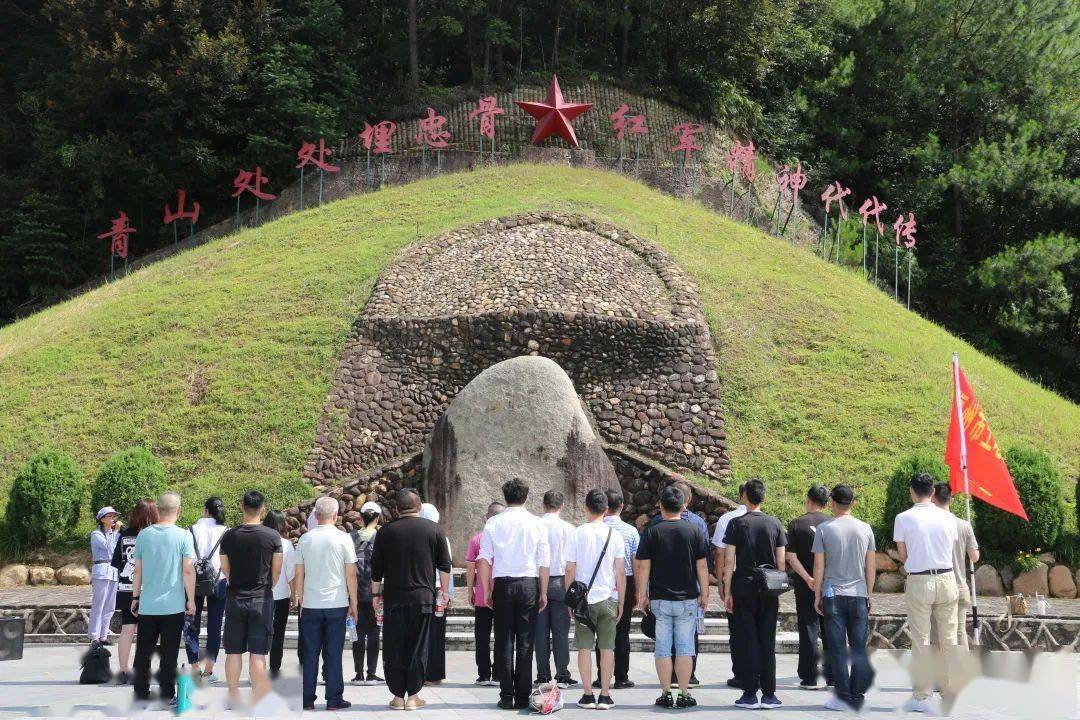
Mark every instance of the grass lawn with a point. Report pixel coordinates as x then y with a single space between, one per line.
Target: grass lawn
219 359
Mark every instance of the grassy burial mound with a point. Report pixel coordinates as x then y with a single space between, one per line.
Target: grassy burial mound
220 359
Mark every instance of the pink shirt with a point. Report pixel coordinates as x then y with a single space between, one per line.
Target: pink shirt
479 596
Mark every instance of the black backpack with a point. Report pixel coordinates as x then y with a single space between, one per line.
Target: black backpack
363 548
206 575
95 665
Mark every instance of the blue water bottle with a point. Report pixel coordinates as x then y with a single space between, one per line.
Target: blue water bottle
185 685
350 629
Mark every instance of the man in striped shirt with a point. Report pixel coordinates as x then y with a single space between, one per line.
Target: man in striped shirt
630 538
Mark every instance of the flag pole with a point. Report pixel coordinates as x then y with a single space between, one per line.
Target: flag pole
958 403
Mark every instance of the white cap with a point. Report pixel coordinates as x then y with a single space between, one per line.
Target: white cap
107 510
370 507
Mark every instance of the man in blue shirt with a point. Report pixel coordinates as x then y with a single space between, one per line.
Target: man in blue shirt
162 592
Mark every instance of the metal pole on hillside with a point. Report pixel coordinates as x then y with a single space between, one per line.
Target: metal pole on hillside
967 494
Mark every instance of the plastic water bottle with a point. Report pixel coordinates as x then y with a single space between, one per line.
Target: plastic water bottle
700 622
440 604
379 616
350 629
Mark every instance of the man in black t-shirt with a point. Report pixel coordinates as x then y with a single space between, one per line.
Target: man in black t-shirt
251 560
673 580
407 552
753 540
800 560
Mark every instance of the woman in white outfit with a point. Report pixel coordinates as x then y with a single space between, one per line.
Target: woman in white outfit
206 537
103 575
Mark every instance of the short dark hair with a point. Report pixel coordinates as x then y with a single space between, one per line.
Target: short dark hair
843 495
615 499
254 500
755 491
943 492
671 499
515 491
742 489
275 520
686 490
553 499
818 494
922 485
407 499
596 501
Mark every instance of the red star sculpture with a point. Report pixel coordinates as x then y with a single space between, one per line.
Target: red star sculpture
554 115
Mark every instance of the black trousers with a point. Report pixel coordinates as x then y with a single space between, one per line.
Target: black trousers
366 645
406 634
482 620
810 632
756 617
152 628
622 635
436 663
733 645
277 644
516 602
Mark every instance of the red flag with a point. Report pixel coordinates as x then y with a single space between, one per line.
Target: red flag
987 474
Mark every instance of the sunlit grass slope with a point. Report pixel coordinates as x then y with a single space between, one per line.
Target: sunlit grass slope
219 359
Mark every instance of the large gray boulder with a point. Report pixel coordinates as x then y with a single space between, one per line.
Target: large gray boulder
518 418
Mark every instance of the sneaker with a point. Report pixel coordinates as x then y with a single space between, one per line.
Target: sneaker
733 682
604 702
809 685
685 701
587 701
491 682
121 678
748 701
481 681
343 705
505 705
694 682
622 685
916 705
770 702
541 681
210 679
596 683
566 682
835 703
665 700
373 679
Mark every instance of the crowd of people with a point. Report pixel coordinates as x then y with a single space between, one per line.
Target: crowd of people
527 578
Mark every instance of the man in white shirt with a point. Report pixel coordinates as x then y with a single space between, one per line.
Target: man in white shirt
326 594
595 555
924 537
965 549
719 557
553 622
515 542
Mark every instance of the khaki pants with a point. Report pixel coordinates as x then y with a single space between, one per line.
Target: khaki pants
931 598
963 608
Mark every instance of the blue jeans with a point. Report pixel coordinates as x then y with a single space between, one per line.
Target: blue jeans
322 631
676 621
846 625
215 613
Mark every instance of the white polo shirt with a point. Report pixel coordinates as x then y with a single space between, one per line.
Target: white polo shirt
558 530
583 548
722 523
324 552
929 533
515 542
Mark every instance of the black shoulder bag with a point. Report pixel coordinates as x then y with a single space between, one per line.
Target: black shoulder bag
206 575
577 595
767 580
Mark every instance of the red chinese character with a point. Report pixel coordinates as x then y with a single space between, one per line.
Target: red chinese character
251 182
637 125
487 109
431 130
307 156
748 161
872 206
180 214
687 135
798 180
118 234
734 157
905 230
624 124
836 192
380 134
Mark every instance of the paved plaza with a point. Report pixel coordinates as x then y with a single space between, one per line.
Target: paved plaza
44 683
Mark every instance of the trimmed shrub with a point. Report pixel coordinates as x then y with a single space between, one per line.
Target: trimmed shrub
126 478
1039 485
897 497
45 500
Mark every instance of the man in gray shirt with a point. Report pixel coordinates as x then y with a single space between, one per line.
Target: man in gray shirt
844 574
965 548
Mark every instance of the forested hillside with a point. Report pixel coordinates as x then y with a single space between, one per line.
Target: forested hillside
963 110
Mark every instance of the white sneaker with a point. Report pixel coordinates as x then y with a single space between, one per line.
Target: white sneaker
917 705
835 703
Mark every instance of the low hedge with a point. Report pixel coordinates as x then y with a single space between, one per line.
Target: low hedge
45 500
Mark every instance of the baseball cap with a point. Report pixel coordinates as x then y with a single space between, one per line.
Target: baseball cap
370 507
107 510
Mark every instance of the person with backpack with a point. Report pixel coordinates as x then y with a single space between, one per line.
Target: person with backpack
595 578
756 544
283 589
206 536
366 644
